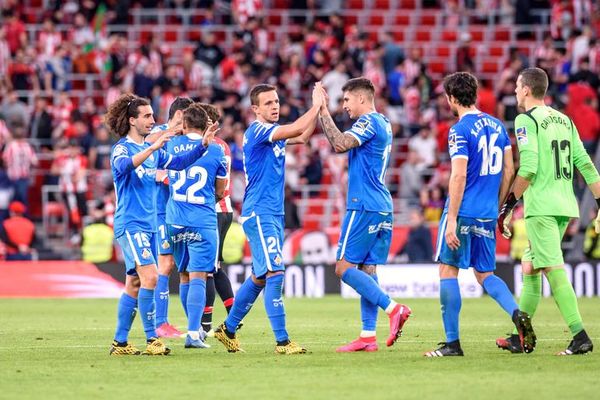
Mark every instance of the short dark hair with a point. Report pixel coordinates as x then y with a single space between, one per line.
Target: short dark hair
258 89
118 113
359 84
535 79
195 117
212 111
463 87
180 103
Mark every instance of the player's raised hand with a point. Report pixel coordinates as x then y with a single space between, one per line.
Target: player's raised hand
162 139
209 135
597 223
451 239
317 95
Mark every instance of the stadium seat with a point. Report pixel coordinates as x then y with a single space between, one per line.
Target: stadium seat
355 4
382 4
402 19
171 35
377 19
477 35
398 36
437 67
407 4
274 19
450 35
496 51
443 51
489 67
423 35
281 4
427 20
502 34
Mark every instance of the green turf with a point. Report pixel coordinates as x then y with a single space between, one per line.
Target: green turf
58 349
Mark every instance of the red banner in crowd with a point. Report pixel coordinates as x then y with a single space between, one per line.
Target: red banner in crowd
73 279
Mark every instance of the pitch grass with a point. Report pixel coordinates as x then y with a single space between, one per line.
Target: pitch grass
58 349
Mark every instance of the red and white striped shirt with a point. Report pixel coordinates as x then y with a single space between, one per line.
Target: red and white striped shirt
225 204
19 156
4 57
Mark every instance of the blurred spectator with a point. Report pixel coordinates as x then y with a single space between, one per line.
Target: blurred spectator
41 123
18 233
14 111
432 203
418 246
544 54
19 156
101 145
6 191
518 241
313 170
594 56
392 53
561 19
506 108
4 59
464 53
71 168
97 239
233 246
581 47
411 181
208 51
16 36
585 117
292 220
562 69
591 245
584 75
486 99
424 145
333 81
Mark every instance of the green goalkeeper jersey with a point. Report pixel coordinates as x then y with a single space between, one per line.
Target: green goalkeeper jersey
549 147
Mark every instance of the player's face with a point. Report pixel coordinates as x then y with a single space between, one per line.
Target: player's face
351 104
144 121
452 103
520 92
268 106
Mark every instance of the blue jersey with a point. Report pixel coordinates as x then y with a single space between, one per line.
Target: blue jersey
163 190
264 166
368 163
135 188
192 202
481 139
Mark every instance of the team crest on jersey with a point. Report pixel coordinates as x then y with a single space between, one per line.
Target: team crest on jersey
361 126
165 244
277 260
521 134
279 151
146 254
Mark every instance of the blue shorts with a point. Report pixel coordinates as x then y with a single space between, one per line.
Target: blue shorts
139 248
165 246
194 249
365 237
477 244
265 236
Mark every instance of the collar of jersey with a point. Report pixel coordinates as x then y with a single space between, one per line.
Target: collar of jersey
194 136
130 140
474 112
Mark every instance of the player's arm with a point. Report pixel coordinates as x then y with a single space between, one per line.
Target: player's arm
125 163
175 127
508 174
305 136
303 126
526 132
584 164
340 141
220 185
456 190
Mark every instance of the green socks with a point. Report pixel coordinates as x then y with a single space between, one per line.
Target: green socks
565 299
531 294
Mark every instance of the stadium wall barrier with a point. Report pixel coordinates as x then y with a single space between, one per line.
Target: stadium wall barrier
78 279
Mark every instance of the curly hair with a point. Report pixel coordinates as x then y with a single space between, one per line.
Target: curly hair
194 117
118 113
463 87
212 111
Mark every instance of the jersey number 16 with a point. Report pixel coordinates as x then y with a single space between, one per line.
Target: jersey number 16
491 157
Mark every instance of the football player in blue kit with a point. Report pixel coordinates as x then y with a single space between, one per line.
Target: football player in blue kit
366 231
134 163
481 174
263 213
192 217
166 262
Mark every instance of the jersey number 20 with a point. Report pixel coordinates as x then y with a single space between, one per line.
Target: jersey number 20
190 195
491 157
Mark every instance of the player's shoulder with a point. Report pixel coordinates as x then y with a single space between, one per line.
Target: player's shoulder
257 127
121 148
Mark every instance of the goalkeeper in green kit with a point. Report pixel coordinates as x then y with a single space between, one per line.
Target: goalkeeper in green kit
549 147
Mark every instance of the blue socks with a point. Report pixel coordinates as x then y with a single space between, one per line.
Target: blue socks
161 297
498 290
183 294
366 287
274 306
147 311
244 300
368 311
451 302
125 314
196 299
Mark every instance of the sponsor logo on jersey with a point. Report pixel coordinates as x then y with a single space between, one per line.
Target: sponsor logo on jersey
477 231
279 151
380 226
521 134
146 254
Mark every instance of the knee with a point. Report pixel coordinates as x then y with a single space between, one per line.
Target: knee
132 289
340 268
482 276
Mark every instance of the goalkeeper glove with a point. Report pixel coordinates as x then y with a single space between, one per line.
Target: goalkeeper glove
597 220
506 214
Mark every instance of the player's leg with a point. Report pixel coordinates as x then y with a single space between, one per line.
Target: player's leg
222 283
184 289
128 302
545 235
451 302
196 300
210 302
353 248
166 263
181 259
148 276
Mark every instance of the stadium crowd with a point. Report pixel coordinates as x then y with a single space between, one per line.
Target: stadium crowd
53 126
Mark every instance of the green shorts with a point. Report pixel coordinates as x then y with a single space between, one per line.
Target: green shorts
545 235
